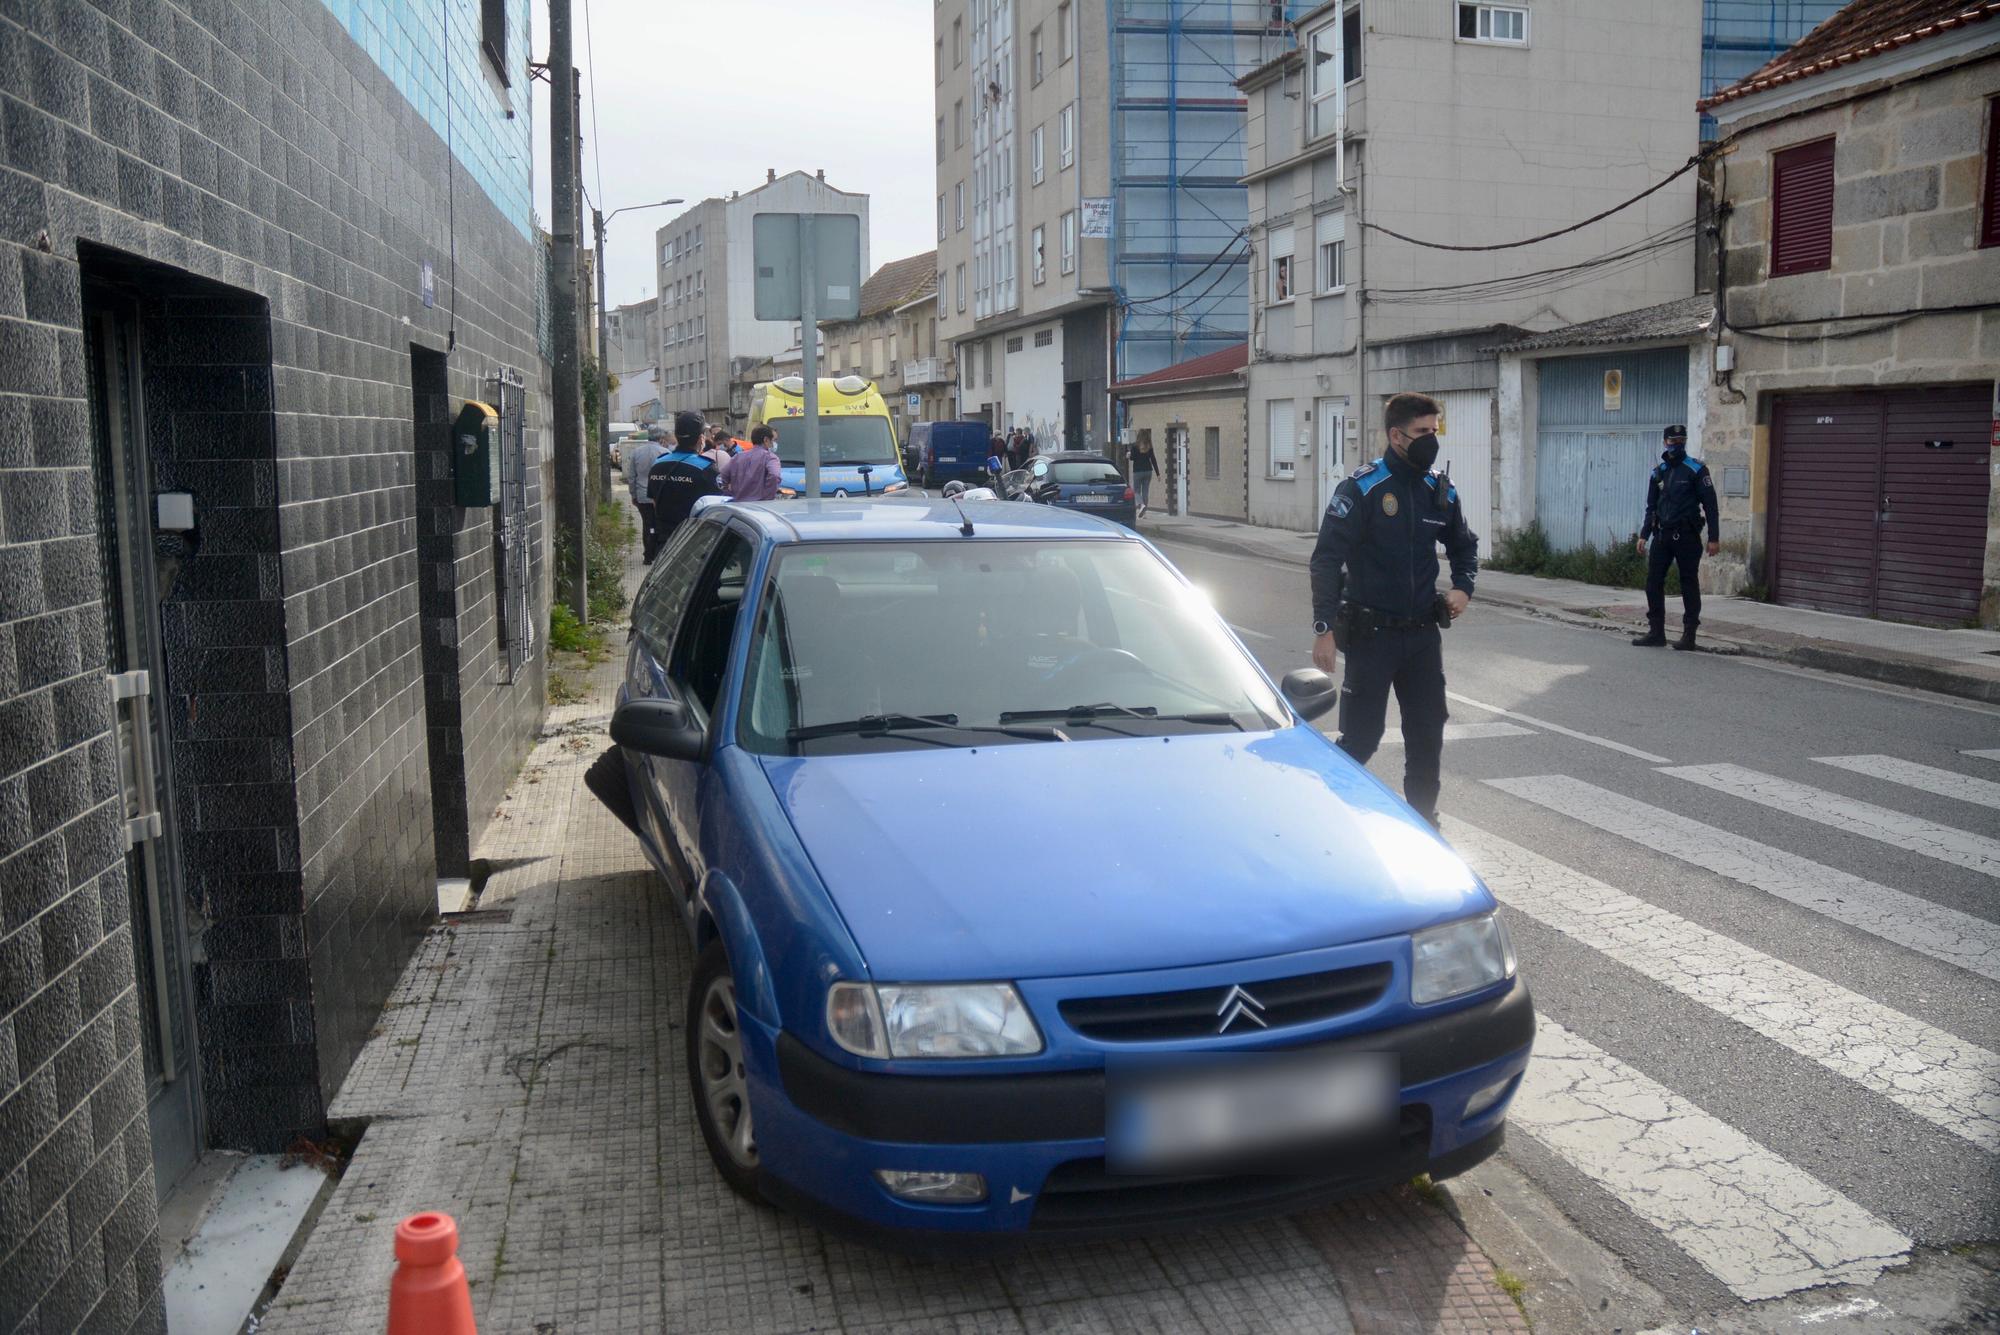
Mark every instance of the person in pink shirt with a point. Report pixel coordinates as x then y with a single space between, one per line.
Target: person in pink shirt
754 474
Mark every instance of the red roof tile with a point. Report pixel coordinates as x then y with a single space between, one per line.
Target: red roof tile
1199 368
1865 28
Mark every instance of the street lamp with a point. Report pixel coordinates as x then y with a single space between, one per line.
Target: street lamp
599 218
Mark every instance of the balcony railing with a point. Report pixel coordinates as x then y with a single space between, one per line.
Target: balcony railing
925 371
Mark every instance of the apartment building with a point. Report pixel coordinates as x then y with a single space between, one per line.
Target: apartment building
1388 154
1089 202
707 320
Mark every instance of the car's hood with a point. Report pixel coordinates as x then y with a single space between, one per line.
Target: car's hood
1050 859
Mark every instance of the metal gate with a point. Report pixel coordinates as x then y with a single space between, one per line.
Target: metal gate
1598 426
1465 438
1881 502
513 590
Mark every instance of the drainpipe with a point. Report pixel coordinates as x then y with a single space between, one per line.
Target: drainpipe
1364 432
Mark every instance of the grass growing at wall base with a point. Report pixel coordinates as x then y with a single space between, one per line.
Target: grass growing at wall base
1527 551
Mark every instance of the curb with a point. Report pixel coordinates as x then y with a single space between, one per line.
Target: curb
1818 655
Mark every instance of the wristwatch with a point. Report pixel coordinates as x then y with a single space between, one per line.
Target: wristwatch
1321 628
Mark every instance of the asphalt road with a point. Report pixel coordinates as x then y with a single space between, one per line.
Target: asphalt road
1760 912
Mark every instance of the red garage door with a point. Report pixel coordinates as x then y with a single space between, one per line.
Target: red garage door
1881 504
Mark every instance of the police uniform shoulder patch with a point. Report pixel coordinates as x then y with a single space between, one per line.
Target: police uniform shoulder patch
1389 504
1370 477
1341 507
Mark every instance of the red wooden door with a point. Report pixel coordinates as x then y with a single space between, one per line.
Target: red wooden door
1936 450
1829 461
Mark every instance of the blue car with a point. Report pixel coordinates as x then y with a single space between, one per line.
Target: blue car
1271 984
1082 480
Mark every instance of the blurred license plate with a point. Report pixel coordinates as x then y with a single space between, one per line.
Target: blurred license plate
1249 1111
1093 500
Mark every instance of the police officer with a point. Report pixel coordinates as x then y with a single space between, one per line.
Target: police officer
677 480
1374 591
1680 493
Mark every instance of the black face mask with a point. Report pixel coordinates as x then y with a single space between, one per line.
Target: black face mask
1422 451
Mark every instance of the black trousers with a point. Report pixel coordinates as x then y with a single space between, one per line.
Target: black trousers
648 535
1684 549
1412 663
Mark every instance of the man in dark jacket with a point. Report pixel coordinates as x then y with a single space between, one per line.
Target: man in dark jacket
1680 494
1374 593
678 479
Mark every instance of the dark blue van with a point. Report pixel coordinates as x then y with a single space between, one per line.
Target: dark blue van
955 451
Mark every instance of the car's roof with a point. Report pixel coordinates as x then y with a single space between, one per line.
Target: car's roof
1076 456
914 519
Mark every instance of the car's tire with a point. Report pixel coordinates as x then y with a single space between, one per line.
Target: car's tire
716 1078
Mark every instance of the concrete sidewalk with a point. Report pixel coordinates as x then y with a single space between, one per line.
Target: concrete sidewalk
1953 662
528 1077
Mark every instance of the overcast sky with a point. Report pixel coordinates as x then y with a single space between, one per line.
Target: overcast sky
697 97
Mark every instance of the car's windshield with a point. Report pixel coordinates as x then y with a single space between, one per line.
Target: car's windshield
1077 472
842 440
1095 637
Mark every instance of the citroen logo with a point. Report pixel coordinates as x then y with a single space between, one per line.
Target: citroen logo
1239 1005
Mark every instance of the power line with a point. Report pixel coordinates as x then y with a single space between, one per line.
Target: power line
1655 188
1540 279
596 136
1226 253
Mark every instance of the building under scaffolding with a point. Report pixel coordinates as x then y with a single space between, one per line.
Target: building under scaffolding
1739 37
1179 255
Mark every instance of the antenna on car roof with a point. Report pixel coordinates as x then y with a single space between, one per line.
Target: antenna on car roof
964 524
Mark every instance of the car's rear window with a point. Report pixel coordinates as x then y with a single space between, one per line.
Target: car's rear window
981 629
1076 472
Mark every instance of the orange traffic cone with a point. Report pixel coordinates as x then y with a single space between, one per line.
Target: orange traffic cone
428 1295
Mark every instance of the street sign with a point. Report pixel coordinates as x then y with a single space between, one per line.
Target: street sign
1096 219
778 291
913 402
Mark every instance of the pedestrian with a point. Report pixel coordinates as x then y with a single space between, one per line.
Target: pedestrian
1020 449
755 475
677 480
1680 494
638 465
1374 593
1144 464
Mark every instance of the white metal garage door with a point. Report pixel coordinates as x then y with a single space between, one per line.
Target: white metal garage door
1466 435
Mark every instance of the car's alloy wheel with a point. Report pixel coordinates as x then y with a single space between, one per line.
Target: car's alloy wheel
717 1073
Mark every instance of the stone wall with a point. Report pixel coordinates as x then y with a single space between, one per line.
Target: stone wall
1222 497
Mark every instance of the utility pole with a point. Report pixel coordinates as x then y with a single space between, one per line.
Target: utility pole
809 348
602 389
571 527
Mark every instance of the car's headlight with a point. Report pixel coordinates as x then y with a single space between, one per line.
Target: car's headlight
1459 957
788 493
895 487
931 1020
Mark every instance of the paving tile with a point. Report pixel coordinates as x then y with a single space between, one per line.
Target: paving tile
1121 1314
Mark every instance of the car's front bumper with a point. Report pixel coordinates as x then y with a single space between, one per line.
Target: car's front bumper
823 1129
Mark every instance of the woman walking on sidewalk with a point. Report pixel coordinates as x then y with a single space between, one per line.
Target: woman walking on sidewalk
1144 464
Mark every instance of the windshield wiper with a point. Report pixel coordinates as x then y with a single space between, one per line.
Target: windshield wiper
875 725
1092 714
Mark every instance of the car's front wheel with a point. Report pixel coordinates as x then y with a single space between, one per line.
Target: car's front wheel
717 1073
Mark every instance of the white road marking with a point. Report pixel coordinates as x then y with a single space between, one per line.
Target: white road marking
1469 732
1929 929
1992 753
1634 751
1761 1225
1911 833
1929 778
1245 630
1942 1079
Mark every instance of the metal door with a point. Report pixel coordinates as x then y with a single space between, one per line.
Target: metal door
1329 426
1177 438
1599 420
1829 483
1465 439
138 688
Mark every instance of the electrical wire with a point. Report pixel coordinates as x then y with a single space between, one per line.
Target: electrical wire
451 183
596 136
1541 280
1655 188
1881 320
1226 253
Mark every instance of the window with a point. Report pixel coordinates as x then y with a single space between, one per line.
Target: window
940 139
701 654
986 357
940 60
1211 453
1493 23
943 304
1350 43
957 43
1065 33
493 36
1281 265
961 288
1035 57
958 205
1802 209
1069 242
970 365
958 124
1323 82
1330 251
1035 158
1066 139
1989 228
1283 445
1038 258
1014 344
1045 338
940 217
656 612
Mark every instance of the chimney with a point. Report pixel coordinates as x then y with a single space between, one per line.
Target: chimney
770 175
821 173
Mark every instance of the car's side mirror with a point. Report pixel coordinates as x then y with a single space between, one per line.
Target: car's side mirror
1040 468
658 728
1309 690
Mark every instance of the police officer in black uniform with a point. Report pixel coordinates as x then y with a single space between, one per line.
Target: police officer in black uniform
1374 590
1680 494
678 479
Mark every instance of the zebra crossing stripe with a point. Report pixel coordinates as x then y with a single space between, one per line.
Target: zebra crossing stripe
1929 929
1761 1225
1992 753
1912 833
1942 1079
1470 732
1929 778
